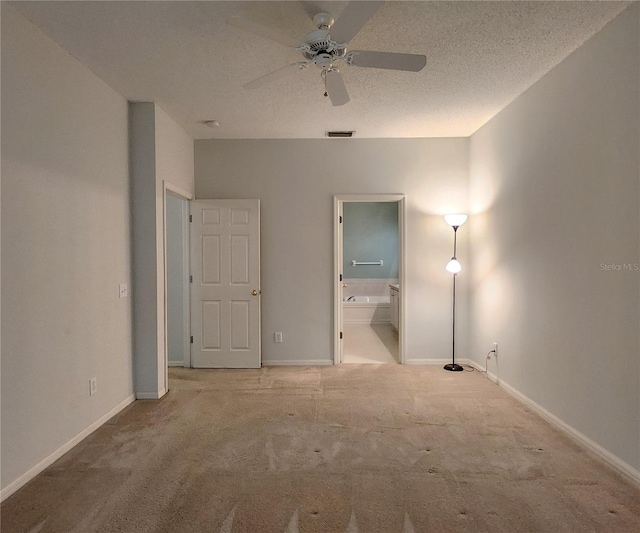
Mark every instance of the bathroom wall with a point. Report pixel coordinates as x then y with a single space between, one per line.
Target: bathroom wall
370 233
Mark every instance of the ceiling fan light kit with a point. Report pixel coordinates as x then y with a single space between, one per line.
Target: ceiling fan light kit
327 45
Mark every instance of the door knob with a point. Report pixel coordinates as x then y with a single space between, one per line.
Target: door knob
344 285
254 292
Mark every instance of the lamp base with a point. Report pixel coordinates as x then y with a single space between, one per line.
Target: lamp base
453 367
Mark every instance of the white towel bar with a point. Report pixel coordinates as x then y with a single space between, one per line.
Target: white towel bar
357 263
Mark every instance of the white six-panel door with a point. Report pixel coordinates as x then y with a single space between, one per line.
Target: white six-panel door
225 292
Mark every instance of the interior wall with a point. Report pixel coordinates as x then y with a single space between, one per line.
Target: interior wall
370 233
66 247
174 166
296 181
555 201
147 345
161 153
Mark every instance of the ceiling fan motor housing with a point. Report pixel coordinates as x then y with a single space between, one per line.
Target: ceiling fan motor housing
319 45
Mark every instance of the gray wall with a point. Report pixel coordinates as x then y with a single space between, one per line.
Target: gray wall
296 189
161 154
148 381
554 195
65 249
67 200
370 233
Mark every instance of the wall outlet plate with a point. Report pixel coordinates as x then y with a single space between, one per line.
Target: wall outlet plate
278 336
124 291
93 386
495 349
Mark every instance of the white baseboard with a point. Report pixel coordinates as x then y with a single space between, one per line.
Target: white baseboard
153 395
367 321
53 457
325 362
299 362
431 361
621 466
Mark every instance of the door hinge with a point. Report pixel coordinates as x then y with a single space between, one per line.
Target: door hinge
340 219
190 218
190 279
191 339
341 334
340 277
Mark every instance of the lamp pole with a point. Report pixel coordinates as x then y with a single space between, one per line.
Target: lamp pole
453 367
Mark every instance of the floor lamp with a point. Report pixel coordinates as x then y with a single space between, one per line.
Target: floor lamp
453 266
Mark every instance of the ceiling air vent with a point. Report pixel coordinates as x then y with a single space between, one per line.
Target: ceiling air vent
340 134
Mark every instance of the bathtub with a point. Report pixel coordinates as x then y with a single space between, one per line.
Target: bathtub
366 310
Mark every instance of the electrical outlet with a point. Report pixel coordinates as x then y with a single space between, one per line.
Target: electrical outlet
93 386
278 336
495 349
124 292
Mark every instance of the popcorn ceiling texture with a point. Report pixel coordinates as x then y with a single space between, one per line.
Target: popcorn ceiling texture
350 448
183 55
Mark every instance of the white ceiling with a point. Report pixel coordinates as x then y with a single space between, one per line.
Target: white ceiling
182 55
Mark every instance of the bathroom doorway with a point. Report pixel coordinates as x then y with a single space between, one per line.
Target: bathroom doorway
369 269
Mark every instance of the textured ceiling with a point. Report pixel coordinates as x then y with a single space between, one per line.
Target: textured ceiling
184 56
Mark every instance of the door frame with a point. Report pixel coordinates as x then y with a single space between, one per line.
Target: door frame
338 203
170 188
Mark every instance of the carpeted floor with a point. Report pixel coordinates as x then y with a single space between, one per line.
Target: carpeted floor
351 448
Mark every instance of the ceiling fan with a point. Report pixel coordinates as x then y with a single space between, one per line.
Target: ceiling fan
327 45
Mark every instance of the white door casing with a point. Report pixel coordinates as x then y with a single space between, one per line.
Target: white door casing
225 292
338 212
339 286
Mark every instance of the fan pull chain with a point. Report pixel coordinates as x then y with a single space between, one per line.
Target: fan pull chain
323 75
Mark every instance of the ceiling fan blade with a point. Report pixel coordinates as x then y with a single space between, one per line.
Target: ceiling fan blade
352 19
388 60
273 76
336 88
263 31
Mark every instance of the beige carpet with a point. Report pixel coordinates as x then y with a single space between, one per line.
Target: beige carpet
353 448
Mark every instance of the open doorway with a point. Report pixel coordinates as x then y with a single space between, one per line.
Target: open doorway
369 263
176 277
